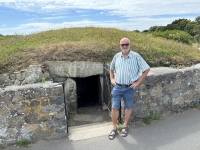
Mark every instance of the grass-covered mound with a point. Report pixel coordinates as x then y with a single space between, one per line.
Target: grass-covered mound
90 44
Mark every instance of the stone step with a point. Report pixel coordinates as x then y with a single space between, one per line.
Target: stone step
89 115
88 118
89 131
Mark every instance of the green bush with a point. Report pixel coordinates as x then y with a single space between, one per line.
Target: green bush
176 35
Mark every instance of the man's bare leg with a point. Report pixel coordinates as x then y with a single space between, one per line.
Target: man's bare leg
127 116
126 119
114 116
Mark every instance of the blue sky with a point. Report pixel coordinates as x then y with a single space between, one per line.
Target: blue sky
32 16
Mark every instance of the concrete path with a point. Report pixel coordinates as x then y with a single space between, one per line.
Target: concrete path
177 132
89 131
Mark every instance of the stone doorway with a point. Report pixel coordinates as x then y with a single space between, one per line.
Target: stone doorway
89 93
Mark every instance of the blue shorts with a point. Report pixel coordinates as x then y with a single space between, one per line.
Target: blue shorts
119 92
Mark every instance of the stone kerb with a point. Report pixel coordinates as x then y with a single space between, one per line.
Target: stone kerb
33 112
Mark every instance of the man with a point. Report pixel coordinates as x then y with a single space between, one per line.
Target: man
125 76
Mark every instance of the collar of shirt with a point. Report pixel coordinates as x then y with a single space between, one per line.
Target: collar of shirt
129 54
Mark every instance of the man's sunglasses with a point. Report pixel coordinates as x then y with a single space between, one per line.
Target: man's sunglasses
122 45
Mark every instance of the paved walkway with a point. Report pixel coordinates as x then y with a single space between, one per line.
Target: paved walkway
178 132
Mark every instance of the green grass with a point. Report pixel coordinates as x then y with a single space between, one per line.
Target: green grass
148 120
1 147
154 116
23 143
195 105
89 44
119 127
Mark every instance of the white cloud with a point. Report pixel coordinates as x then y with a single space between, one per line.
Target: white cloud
132 24
120 7
138 15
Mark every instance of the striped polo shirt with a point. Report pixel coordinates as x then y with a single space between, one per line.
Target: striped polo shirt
128 69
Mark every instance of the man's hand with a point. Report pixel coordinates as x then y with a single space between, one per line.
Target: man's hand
134 84
113 82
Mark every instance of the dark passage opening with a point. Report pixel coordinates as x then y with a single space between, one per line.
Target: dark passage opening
89 102
88 91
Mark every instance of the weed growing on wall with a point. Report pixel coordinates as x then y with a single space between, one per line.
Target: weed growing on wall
23 143
148 120
43 80
1 147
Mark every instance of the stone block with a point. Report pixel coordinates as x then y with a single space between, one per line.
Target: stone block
178 101
57 100
51 109
21 75
58 136
74 69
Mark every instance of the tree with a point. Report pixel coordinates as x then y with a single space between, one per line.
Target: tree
191 27
157 28
178 24
197 20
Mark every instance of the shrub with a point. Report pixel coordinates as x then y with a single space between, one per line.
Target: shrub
176 35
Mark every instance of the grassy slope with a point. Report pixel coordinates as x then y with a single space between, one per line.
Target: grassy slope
89 44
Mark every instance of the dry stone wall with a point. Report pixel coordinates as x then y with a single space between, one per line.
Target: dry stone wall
32 74
32 112
37 111
167 90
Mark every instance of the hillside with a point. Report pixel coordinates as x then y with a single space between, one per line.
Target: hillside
90 44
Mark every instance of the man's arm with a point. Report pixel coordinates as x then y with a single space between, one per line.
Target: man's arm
112 80
141 78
